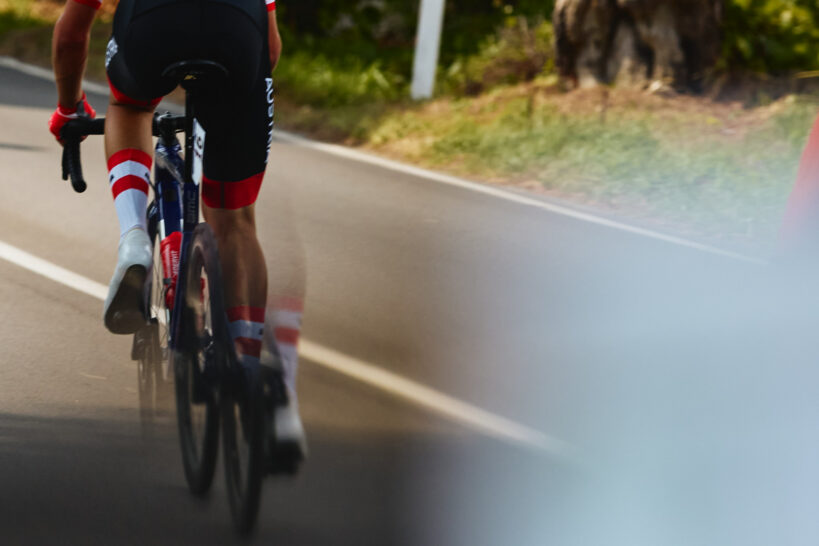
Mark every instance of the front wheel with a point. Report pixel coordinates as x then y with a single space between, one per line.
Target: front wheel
198 360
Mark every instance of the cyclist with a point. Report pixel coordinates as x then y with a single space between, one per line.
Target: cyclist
148 36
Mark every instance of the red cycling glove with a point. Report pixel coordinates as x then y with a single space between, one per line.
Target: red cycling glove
62 115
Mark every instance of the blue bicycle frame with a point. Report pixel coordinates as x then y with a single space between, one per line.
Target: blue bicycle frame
176 200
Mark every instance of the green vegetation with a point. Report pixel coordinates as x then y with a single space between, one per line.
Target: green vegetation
11 21
771 36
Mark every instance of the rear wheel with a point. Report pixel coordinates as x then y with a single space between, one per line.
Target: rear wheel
199 360
243 434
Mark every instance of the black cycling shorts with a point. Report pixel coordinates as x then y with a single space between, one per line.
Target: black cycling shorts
150 35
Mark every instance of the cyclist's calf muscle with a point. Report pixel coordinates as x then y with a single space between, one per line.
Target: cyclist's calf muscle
127 127
243 264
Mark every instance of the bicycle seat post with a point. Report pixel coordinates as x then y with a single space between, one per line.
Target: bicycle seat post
194 76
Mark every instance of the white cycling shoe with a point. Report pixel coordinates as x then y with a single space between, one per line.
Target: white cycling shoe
123 313
289 429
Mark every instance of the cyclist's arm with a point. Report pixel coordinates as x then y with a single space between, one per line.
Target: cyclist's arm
69 49
274 40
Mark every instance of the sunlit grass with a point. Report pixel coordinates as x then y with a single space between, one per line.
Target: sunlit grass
721 178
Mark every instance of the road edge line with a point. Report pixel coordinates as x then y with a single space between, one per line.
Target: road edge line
455 410
46 74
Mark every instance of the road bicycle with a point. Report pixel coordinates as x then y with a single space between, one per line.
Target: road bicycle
192 337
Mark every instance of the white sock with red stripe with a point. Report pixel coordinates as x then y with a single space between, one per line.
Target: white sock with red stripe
246 328
282 328
129 174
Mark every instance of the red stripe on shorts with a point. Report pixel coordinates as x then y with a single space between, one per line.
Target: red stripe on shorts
125 99
93 3
231 195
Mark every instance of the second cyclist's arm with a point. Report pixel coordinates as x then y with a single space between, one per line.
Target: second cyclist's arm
274 40
69 49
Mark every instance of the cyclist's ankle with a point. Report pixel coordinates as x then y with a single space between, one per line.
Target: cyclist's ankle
246 328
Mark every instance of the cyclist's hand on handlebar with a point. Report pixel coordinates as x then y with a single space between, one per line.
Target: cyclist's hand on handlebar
63 115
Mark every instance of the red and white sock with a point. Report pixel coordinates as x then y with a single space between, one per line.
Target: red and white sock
246 328
282 328
129 174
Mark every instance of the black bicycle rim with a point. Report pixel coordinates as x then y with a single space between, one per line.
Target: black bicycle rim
195 363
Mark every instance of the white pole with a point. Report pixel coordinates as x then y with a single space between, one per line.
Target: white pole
427 46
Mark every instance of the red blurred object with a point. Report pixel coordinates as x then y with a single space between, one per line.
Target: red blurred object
169 249
800 226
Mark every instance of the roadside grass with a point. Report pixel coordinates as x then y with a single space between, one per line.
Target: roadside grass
32 44
689 165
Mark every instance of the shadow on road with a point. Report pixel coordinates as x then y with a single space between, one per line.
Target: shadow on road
80 481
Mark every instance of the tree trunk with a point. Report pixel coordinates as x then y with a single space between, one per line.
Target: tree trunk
637 42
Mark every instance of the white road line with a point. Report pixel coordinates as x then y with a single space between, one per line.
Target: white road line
453 409
51 271
456 410
46 74
89 376
355 155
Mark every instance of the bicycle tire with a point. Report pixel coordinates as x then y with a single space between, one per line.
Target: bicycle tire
243 437
199 359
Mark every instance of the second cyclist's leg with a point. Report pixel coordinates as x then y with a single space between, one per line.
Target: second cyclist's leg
285 305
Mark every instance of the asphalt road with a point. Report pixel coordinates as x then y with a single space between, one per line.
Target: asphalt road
683 380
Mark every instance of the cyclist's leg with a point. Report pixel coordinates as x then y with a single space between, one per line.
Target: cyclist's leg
243 264
127 143
286 283
128 153
285 305
134 65
239 133
236 123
